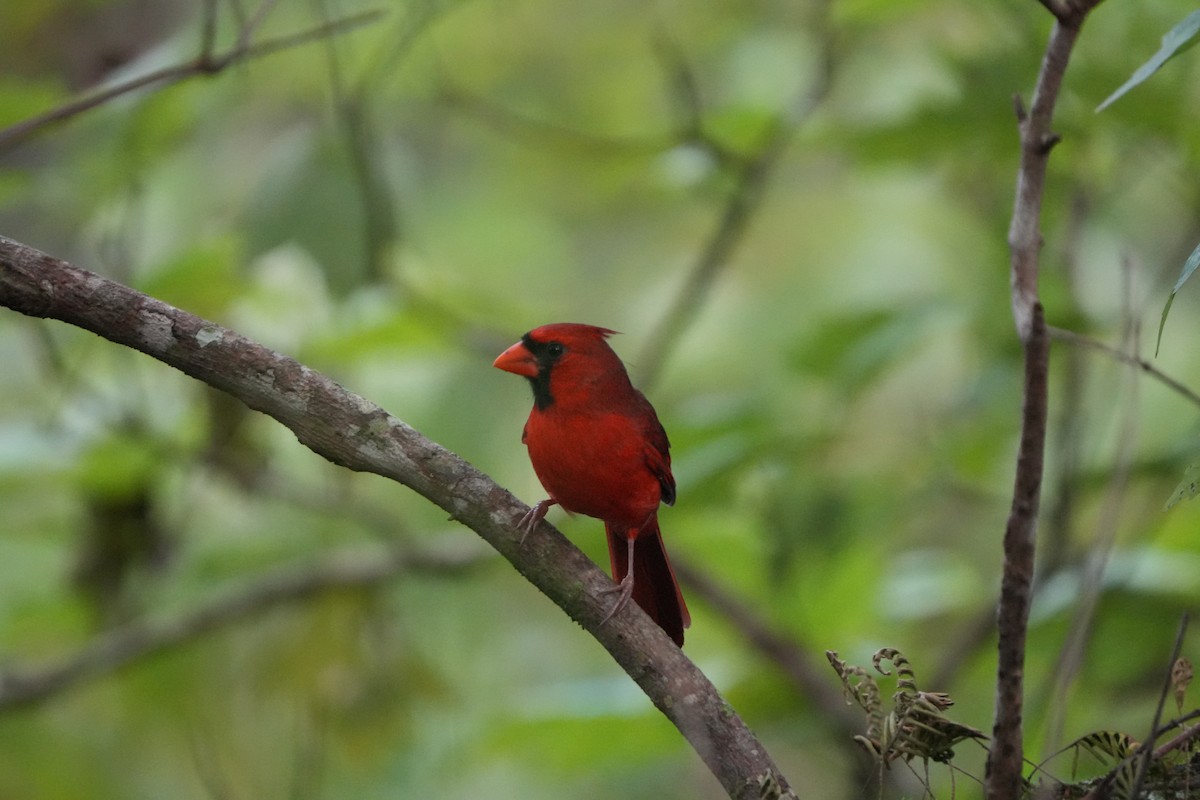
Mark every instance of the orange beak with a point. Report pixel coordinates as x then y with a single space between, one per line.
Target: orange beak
517 360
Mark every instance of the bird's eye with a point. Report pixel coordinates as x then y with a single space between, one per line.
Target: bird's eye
555 349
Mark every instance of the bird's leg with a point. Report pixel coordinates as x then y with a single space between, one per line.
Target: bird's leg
623 590
533 516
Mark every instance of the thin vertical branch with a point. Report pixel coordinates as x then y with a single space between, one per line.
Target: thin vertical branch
1148 751
1004 779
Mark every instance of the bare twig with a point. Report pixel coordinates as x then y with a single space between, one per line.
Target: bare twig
208 28
1181 739
117 648
356 434
550 133
206 63
1037 140
1006 756
744 199
1149 750
1080 340
685 89
749 188
250 26
381 218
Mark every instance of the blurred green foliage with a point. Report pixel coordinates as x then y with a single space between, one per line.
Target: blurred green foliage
394 205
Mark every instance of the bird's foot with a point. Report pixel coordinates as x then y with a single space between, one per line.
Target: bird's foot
623 591
533 516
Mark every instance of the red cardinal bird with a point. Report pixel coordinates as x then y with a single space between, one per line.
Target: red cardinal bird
598 449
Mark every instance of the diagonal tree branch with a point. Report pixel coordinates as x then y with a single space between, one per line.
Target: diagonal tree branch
352 432
21 687
751 178
206 62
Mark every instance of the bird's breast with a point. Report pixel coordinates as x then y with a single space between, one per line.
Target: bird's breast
593 464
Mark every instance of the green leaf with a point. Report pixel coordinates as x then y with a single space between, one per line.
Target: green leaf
1187 488
1180 38
1189 267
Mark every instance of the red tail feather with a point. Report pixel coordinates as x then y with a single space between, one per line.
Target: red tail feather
654 586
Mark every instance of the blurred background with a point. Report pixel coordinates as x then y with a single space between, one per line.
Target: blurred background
795 211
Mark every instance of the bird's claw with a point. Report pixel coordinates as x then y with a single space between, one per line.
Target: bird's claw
532 517
623 590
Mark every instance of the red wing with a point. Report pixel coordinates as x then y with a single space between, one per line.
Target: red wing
660 466
658 453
